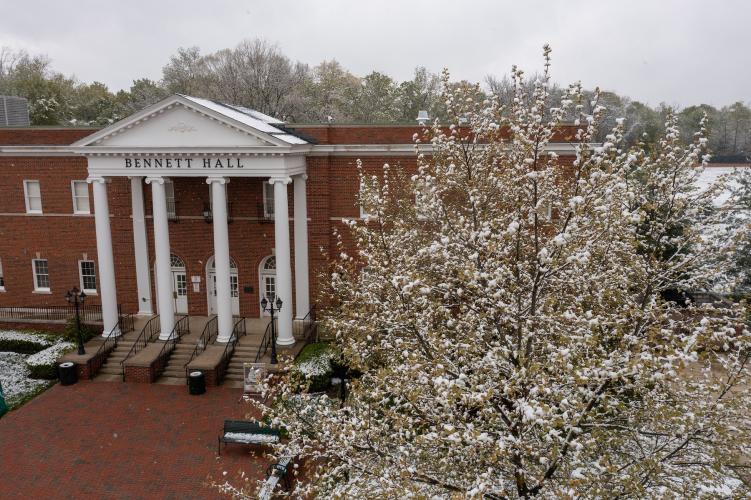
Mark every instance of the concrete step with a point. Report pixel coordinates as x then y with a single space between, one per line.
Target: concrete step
103 377
171 381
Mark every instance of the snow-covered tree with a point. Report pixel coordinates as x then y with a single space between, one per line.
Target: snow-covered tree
502 315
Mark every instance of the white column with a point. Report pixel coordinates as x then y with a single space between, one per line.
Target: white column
302 294
141 247
283 264
221 257
107 286
162 253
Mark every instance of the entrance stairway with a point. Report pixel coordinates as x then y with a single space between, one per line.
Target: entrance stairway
111 370
174 373
245 352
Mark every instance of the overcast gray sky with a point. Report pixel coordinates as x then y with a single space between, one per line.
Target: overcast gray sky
679 52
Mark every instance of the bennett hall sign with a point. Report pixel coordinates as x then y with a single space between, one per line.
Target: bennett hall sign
160 163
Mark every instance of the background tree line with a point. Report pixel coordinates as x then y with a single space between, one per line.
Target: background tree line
258 75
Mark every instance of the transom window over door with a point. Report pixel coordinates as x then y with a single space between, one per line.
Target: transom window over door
41 275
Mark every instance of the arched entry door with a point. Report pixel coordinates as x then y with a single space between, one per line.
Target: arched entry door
267 275
211 286
179 284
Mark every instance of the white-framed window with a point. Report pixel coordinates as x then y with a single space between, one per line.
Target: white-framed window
41 275
33 195
364 214
80 191
169 191
87 273
268 200
2 277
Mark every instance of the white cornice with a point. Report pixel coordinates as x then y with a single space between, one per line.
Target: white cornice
307 150
36 151
564 149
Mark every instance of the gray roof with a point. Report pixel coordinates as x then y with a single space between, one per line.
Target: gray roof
250 117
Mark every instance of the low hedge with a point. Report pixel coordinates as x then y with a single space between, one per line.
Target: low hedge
312 369
43 365
70 333
23 342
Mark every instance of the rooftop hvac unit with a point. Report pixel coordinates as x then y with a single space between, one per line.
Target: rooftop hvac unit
14 111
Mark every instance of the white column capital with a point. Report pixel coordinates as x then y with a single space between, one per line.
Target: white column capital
155 179
217 178
98 178
282 180
302 176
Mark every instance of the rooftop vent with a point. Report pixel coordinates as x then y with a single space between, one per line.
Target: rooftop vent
14 111
422 117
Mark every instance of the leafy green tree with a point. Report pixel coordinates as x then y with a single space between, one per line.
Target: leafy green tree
420 93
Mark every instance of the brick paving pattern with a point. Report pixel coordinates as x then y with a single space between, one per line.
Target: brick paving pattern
122 440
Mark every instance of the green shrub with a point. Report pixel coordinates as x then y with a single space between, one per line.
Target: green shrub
312 369
70 333
23 342
44 363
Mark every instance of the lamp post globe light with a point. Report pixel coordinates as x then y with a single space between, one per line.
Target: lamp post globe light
76 297
272 309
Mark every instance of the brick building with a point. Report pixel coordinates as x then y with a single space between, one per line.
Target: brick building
188 206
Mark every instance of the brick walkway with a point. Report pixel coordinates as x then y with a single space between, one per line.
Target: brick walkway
117 440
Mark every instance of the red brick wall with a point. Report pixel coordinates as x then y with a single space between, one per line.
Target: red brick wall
64 238
49 136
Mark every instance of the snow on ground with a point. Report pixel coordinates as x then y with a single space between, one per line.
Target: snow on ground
51 354
712 174
14 376
27 337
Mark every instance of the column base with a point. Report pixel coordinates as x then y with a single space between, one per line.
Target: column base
112 333
166 336
223 340
285 342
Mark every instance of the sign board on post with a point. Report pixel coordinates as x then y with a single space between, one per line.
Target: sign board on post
253 375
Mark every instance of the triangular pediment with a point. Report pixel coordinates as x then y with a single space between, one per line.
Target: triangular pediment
187 122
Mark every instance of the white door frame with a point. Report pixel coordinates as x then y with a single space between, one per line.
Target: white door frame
263 273
211 292
174 270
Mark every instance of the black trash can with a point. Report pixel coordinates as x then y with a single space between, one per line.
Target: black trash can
68 373
196 383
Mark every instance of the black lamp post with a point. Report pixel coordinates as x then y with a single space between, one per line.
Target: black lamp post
76 297
271 309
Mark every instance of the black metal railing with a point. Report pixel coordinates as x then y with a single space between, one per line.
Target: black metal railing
210 331
110 343
89 313
149 331
305 328
238 330
182 326
208 212
265 342
263 214
125 323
